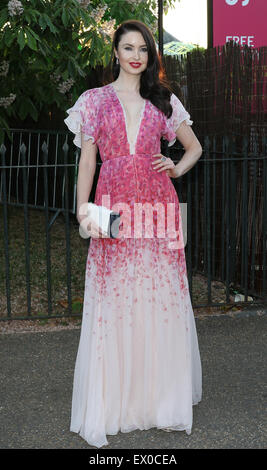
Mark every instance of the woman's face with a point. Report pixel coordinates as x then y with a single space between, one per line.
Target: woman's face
132 52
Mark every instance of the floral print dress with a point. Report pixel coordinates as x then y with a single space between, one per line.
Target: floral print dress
138 363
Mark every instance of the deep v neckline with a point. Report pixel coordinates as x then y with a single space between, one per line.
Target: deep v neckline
132 145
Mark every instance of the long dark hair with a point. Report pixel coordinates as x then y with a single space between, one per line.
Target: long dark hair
154 84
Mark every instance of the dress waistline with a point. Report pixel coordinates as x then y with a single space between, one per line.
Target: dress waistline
129 155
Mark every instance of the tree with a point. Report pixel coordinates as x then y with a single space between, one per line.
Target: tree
48 47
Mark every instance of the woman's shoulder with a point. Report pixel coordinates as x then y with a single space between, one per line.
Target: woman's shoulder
94 98
177 104
96 92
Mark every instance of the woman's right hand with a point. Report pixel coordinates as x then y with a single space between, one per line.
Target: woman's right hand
91 228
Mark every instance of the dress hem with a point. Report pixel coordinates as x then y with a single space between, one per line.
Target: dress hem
188 431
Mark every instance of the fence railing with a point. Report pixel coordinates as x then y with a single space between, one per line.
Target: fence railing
42 257
24 151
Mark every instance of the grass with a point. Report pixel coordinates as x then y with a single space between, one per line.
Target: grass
38 264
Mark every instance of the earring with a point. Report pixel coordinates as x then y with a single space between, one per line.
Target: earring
117 60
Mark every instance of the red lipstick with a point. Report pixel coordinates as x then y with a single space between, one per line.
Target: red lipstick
135 64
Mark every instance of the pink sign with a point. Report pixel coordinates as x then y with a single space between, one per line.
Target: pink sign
242 21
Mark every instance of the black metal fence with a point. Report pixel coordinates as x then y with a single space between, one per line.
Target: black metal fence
42 256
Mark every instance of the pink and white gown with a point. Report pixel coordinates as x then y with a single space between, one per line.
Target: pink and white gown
138 363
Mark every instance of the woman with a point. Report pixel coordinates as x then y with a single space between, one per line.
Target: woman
138 364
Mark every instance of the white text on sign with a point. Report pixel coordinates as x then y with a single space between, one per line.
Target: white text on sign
242 40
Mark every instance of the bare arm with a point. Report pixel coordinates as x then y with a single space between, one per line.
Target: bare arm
86 173
192 146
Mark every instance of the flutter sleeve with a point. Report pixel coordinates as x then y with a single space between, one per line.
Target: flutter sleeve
83 117
171 124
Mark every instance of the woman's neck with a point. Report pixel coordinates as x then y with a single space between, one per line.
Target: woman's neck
127 82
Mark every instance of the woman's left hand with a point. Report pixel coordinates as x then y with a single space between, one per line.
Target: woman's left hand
165 165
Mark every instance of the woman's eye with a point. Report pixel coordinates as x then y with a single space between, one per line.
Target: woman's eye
128 48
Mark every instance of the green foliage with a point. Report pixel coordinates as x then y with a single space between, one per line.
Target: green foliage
51 46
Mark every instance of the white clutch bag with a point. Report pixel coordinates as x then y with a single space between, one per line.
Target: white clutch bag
106 219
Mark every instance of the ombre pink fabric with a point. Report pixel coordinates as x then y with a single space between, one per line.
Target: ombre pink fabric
138 363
